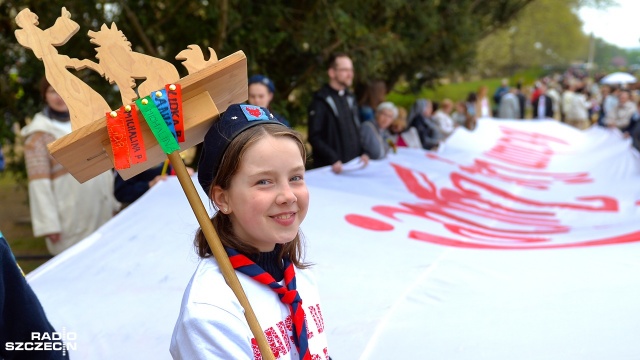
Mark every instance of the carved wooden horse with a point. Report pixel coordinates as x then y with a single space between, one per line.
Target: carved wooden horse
122 66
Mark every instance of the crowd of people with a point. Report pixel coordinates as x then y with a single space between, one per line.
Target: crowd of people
341 129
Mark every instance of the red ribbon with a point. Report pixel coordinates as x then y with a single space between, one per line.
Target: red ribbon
137 151
119 139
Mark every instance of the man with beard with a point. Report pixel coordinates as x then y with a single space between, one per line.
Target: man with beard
333 118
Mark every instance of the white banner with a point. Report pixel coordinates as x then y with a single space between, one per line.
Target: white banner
516 241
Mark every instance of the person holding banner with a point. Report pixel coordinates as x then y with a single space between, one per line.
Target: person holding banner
252 168
374 135
62 209
421 118
334 124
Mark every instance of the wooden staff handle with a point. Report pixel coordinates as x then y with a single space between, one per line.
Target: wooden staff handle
218 252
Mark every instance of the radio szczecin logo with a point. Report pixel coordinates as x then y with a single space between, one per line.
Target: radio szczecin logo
46 341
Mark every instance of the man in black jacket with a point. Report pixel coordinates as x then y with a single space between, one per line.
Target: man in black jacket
333 118
542 105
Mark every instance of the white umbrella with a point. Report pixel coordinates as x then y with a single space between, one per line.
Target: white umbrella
618 78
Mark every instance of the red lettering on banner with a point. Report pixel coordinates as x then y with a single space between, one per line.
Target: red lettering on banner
428 191
528 226
526 149
532 179
531 136
520 156
486 216
621 239
605 203
368 223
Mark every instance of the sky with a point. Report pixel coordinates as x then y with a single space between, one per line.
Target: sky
617 25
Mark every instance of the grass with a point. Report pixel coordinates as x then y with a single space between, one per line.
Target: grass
458 91
15 225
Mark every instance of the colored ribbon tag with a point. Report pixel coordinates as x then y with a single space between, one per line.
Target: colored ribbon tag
174 92
119 140
157 125
162 104
137 151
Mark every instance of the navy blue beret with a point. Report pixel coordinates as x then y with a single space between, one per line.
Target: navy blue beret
264 81
237 118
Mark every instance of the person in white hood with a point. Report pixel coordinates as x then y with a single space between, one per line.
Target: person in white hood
62 210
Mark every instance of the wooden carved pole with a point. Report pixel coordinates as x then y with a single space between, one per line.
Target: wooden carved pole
88 151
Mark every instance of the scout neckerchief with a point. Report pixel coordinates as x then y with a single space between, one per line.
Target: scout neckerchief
287 294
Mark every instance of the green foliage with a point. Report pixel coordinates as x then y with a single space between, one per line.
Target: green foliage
286 40
458 91
548 32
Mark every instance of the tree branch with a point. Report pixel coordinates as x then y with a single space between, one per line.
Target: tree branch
222 25
137 27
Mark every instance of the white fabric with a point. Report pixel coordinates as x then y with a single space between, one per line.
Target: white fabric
410 137
559 277
444 121
579 107
63 205
542 110
484 107
211 324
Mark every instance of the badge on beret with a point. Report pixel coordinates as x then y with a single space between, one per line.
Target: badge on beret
253 113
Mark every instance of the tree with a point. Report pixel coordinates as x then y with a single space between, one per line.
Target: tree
546 33
287 40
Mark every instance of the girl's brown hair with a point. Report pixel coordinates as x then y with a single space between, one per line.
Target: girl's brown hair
228 168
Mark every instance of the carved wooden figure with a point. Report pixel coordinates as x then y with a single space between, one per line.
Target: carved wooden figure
123 66
194 58
85 105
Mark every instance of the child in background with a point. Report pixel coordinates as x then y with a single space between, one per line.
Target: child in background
401 135
261 92
252 168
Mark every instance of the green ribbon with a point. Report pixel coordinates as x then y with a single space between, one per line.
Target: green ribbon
158 127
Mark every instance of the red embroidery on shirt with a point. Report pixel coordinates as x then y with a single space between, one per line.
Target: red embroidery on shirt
275 342
316 314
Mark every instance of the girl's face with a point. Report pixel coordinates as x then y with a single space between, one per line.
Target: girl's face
259 95
397 127
54 100
268 197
